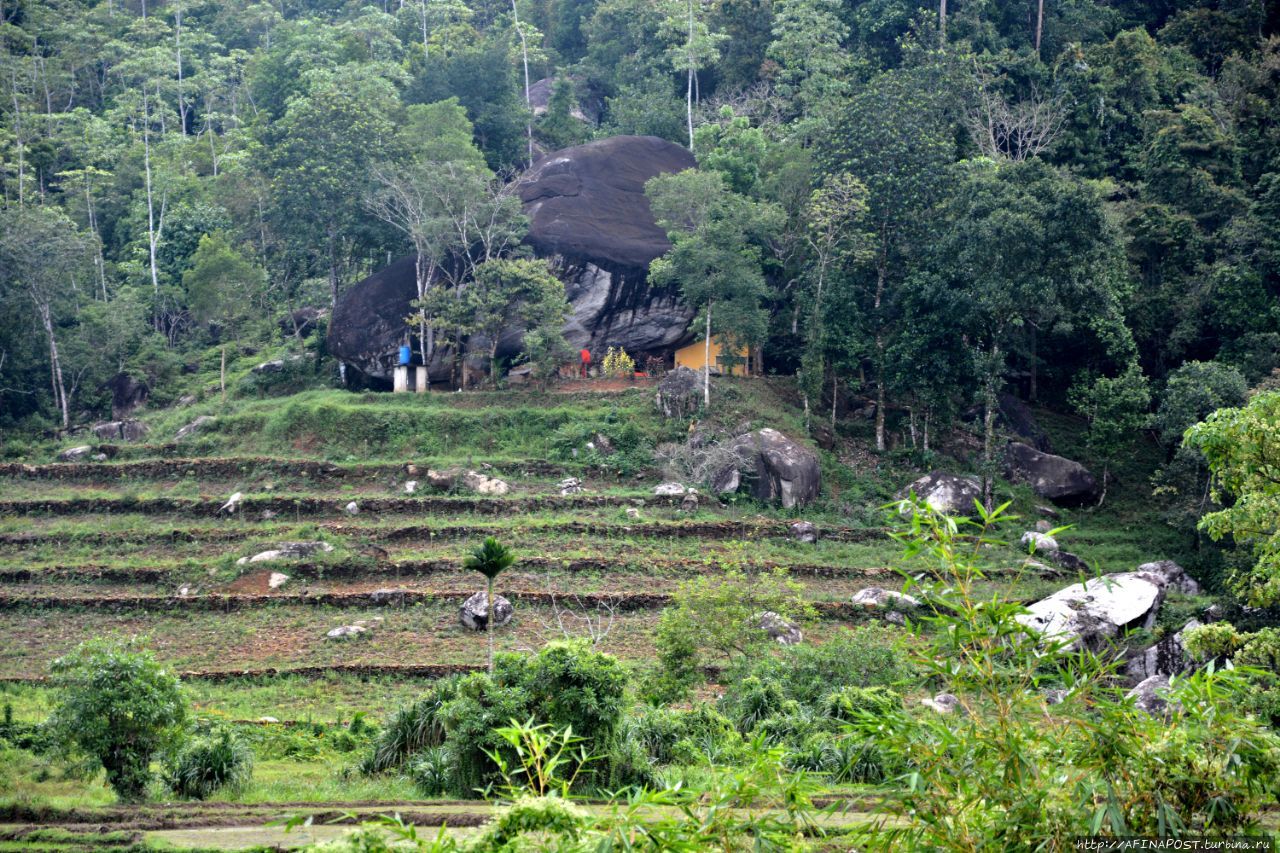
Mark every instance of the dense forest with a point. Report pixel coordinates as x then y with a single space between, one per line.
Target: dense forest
1078 199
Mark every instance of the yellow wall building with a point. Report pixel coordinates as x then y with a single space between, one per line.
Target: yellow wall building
693 357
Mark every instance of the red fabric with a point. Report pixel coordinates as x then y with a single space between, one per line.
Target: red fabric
586 356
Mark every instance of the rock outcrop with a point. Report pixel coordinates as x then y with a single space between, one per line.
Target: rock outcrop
126 430
946 493
781 631
1054 477
679 393
777 468
127 395
474 612
1101 608
588 215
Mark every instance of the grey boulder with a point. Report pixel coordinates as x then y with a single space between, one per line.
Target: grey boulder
474 612
1092 612
679 393
946 493
781 631
777 468
1166 657
1053 477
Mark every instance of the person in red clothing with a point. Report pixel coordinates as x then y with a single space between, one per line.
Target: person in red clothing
586 361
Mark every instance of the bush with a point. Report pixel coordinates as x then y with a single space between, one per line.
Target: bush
218 760
849 704
431 771
868 655
1218 640
119 707
412 729
843 758
717 617
751 700
1261 649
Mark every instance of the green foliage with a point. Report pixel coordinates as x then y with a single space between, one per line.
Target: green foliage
1012 767
1241 446
210 763
460 737
222 286
491 559
715 617
412 729
1215 641
870 655
120 708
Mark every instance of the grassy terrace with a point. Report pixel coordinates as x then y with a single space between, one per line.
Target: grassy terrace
104 548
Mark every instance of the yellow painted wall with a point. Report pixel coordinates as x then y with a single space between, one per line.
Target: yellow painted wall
693 357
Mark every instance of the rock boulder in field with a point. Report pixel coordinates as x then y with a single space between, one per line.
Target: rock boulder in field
1097 610
946 493
1054 477
474 612
679 393
777 468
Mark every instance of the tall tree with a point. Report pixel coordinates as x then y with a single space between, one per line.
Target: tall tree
44 259
895 139
715 255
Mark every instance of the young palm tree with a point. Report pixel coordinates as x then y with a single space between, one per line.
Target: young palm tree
490 559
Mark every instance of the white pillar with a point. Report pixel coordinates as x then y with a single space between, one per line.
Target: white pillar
401 380
421 379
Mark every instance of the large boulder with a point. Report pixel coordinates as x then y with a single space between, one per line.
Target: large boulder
679 393
1054 477
1168 656
1170 576
126 430
1017 418
777 468
127 395
946 493
1093 612
588 215
781 631
474 612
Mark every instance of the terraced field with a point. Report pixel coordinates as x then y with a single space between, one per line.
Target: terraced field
137 544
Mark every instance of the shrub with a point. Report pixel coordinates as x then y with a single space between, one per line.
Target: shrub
843 758
1218 640
868 655
617 364
431 770
206 764
848 704
566 685
1261 649
119 707
412 729
752 700
717 616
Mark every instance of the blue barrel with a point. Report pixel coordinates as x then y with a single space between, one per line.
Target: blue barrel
406 355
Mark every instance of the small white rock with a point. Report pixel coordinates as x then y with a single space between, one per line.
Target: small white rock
352 508
411 487
277 580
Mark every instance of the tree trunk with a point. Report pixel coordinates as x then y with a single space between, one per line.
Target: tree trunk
528 102
1106 474
152 238
488 622
835 397
881 273
55 364
706 367
1039 24
222 375
942 22
689 83
990 404
1035 364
